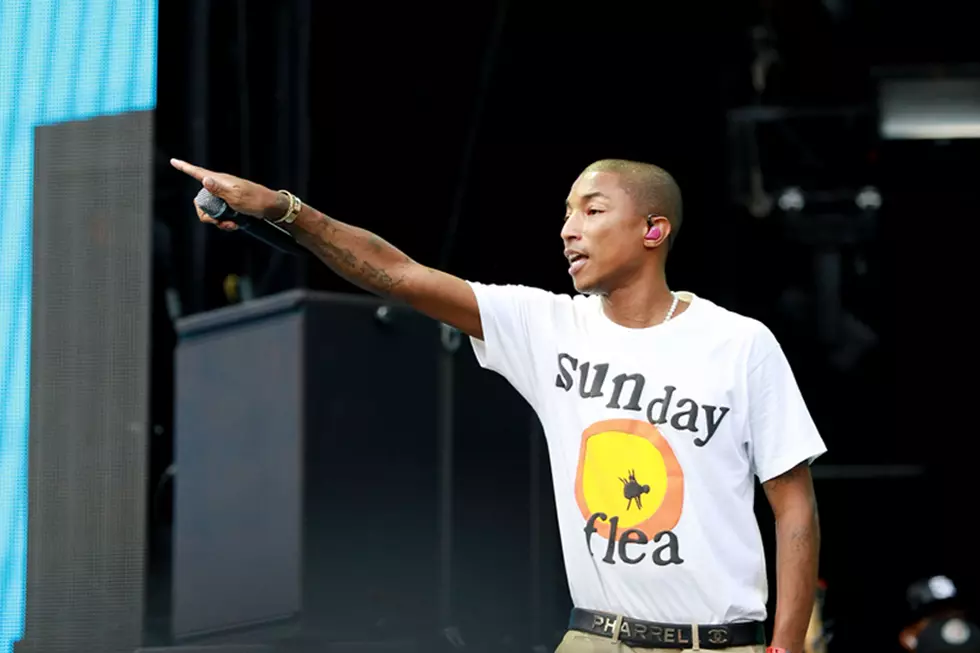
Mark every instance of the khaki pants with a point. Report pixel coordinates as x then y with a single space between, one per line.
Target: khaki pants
576 642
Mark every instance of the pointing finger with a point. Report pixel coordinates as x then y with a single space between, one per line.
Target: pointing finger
194 171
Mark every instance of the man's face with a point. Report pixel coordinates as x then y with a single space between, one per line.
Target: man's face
603 233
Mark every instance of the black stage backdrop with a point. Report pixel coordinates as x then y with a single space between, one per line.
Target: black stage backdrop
395 118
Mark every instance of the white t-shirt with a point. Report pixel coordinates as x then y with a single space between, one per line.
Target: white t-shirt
654 436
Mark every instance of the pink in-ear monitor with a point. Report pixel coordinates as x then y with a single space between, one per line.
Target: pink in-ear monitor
653 234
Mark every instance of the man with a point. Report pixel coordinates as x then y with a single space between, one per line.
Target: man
929 600
818 634
658 409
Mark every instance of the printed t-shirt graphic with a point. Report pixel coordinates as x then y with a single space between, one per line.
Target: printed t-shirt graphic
627 472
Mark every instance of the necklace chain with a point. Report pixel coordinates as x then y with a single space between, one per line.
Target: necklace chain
673 307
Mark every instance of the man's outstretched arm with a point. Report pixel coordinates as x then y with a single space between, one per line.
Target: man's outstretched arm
357 255
797 551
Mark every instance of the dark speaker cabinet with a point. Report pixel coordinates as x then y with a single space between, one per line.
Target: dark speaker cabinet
347 471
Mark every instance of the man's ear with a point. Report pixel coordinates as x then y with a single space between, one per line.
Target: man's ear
657 231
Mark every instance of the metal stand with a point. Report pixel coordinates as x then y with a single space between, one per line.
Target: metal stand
537 518
197 109
827 235
783 169
450 339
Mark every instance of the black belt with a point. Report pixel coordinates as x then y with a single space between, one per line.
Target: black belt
647 634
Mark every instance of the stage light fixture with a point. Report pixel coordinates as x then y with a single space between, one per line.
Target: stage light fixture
937 103
791 199
868 199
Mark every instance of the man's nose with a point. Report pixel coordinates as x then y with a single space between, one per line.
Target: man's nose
570 230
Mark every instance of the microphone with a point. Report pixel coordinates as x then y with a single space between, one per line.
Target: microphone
269 233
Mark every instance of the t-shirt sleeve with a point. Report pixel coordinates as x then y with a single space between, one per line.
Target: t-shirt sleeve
516 321
782 431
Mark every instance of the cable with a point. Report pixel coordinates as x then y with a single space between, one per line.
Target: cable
489 62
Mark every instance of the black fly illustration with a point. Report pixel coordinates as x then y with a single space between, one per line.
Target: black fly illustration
633 491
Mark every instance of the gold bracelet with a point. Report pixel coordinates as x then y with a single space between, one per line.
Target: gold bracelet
295 206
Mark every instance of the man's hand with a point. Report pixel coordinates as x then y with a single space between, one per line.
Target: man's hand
241 195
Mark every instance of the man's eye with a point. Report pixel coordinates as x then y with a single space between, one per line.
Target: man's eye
593 211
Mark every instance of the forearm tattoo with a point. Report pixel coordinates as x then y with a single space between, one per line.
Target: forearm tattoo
360 257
